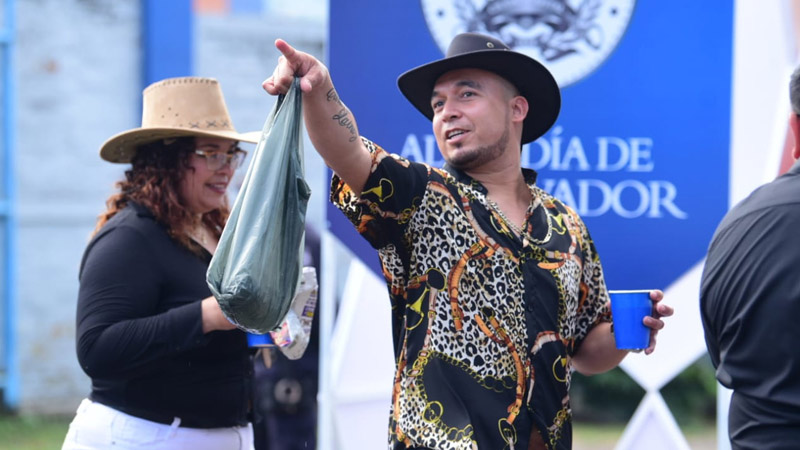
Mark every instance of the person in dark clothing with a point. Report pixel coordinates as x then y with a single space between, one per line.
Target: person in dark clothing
285 405
749 303
168 370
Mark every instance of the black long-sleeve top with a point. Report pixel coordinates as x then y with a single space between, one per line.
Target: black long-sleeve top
139 329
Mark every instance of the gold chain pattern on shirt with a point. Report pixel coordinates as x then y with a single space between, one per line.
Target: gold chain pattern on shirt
517 230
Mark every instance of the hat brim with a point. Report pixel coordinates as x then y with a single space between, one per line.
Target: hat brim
531 78
121 147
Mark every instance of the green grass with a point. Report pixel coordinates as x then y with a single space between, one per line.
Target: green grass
32 432
47 433
598 433
591 436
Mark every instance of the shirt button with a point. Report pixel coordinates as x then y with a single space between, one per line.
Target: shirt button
529 307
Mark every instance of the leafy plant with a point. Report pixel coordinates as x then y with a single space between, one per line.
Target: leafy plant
614 396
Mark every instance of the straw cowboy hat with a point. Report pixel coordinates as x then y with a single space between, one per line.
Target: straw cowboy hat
177 107
478 51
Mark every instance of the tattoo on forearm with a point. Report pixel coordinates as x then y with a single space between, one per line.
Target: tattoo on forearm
344 120
333 96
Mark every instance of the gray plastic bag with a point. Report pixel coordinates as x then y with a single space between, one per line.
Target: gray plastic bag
258 263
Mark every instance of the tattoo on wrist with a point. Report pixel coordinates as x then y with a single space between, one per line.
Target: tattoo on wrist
333 96
343 118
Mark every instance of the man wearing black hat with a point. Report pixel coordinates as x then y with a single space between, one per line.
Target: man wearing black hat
497 290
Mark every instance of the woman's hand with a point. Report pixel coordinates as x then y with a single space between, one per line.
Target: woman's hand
213 319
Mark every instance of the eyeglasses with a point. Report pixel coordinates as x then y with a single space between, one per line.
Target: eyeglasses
216 160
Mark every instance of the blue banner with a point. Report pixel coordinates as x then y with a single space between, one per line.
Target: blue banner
641 148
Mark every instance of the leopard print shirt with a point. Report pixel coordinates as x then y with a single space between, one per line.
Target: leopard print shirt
485 322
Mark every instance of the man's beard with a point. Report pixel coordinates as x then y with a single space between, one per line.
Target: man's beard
476 157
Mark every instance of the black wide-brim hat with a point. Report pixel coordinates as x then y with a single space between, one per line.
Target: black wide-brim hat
478 51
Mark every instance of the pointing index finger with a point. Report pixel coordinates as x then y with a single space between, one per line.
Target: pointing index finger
287 50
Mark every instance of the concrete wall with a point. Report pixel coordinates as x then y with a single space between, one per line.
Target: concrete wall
78 78
77 71
239 51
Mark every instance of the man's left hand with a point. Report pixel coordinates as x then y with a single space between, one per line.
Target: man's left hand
654 321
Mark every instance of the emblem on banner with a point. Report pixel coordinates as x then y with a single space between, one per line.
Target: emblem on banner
571 37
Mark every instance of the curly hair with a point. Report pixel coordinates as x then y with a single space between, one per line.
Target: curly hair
153 181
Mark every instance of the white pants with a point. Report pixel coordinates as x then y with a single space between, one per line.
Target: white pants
97 426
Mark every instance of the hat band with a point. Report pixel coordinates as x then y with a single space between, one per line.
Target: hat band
219 124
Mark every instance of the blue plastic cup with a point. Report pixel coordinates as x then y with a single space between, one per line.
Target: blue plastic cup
628 309
259 340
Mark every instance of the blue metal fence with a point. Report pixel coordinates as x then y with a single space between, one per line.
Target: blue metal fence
9 373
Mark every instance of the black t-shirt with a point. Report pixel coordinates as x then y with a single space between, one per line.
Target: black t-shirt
750 304
139 329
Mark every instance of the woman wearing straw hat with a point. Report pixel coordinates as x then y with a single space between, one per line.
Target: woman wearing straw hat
168 370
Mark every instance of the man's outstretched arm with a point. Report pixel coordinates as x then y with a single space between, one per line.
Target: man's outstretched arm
330 124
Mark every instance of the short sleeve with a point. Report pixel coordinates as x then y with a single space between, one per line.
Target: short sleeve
593 305
391 196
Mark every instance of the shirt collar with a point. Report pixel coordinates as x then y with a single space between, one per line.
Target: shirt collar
463 178
795 169
140 210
